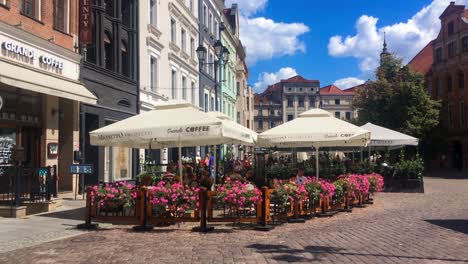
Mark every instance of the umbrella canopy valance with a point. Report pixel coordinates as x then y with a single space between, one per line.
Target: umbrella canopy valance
237 133
314 128
384 137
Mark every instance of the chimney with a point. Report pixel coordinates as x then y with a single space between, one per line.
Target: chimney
452 3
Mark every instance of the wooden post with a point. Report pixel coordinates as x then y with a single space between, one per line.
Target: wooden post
88 213
144 225
265 212
203 207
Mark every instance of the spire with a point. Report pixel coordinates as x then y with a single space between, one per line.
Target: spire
384 50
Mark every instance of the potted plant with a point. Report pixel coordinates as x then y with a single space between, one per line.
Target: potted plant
114 197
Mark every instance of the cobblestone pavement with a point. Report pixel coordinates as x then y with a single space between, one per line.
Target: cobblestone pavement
37 229
399 228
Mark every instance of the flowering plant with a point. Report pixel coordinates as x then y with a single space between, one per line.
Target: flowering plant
174 197
341 187
114 195
376 182
284 192
238 195
319 188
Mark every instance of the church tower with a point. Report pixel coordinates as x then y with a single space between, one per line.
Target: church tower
385 52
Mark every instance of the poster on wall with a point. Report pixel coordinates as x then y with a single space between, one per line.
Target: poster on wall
7 142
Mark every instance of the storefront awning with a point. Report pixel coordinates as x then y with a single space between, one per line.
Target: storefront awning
33 80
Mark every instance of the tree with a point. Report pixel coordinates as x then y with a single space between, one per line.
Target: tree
398 100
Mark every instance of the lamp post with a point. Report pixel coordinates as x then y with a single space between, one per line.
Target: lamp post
222 57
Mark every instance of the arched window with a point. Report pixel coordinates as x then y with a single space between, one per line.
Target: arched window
108 51
124 59
449 83
124 102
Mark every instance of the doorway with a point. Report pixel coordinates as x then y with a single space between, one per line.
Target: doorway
457 155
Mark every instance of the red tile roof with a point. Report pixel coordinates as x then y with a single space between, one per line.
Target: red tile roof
258 97
422 62
299 78
333 90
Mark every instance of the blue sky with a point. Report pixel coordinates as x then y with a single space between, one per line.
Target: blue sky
331 40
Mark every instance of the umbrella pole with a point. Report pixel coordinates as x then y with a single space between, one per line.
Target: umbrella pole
317 161
361 155
214 166
180 164
369 155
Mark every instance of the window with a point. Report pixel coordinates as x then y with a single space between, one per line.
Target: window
238 118
210 66
465 44
153 74
438 55
192 47
125 12
248 104
206 102
450 117
210 22
337 114
260 112
248 123
337 101
290 117
216 30
462 115
59 15
437 88
4 3
238 88
193 92
450 28
301 102
348 115
118 162
451 49
205 15
28 7
311 102
290 102
173 31
461 81
183 37
174 84
184 87
191 6
154 13
109 5
125 59
272 124
212 104
108 52
449 83
272 112
260 124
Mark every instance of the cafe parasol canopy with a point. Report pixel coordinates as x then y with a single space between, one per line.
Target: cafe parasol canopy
315 128
387 138
171 124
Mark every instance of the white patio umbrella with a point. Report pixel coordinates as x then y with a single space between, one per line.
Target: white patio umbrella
171 124
315 128
384 137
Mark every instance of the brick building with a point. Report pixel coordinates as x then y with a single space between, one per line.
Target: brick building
444 62
40 88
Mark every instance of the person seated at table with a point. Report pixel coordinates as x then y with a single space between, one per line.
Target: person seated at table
235 175
300 178
249 176
169 174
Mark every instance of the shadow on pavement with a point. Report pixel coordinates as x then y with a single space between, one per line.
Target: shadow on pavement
73 214
286 253
456 225
448 174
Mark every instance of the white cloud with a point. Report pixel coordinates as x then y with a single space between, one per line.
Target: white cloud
269 78
349 82
248 7
265 38
405 39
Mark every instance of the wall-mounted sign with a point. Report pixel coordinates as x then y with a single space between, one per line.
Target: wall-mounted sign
52 150
86 22
81 169
30 54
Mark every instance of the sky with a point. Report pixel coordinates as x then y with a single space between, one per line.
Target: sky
335 42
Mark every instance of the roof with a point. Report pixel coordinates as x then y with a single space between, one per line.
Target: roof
299 78
357 87
258 97
422 62
453 8
333 90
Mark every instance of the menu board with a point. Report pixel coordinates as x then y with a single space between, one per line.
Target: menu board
7 142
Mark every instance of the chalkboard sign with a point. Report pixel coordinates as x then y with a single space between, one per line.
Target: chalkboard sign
7 142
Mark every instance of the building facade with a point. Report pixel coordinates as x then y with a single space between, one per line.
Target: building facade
267 113
338 102
447 82
295 95
230 40
40 88
110 71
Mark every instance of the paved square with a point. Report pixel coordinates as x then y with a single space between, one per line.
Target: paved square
399 228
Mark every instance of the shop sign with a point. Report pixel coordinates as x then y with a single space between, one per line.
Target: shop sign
30 54
86 23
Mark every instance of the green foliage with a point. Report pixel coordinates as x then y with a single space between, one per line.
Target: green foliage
398 100
410 169
341 187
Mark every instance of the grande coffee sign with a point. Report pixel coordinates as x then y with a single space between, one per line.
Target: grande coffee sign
86 21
